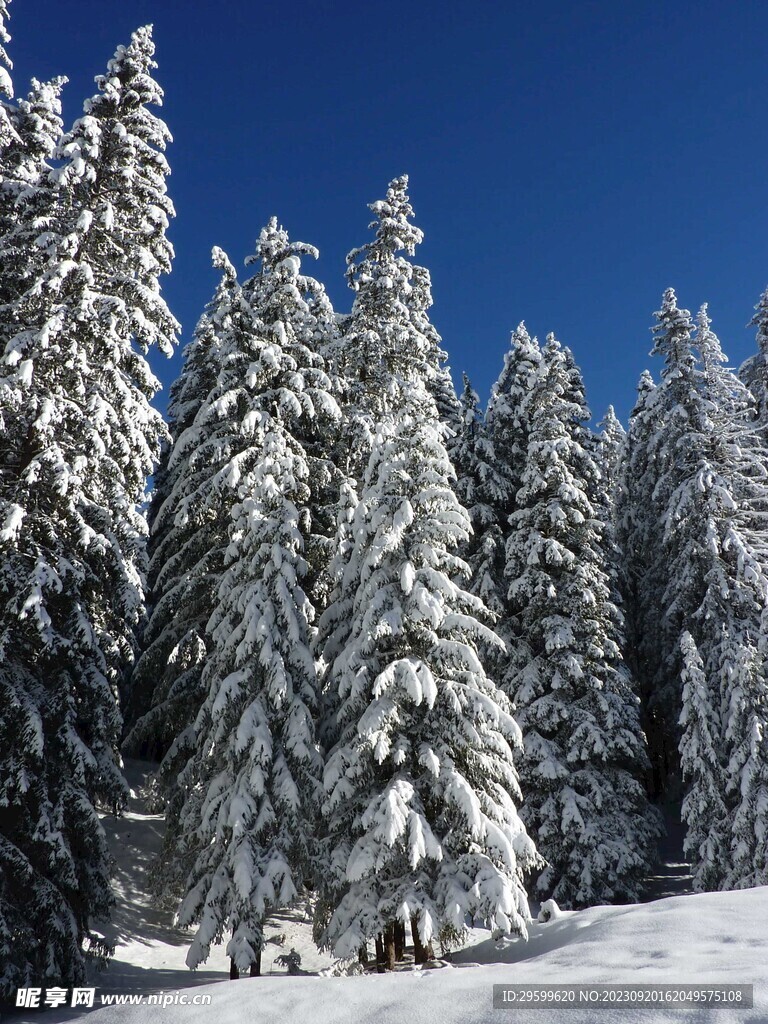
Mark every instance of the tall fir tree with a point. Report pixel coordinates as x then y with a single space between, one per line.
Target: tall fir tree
420 786
78 441
252 781
584 749
639 539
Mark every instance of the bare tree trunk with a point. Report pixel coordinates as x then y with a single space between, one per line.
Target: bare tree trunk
234 973
362 954
380 968
389 946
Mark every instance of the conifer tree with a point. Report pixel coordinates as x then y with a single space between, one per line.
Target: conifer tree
252 781
386 342
584 750
754 371
78 440
420 786
507 419
6 83
639 539
704 808
388 331
190 522
612 442
716 542
483 489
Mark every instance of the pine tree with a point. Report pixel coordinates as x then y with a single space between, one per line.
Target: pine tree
704 809
28 196
716 539
189 535
252 782
78 441
483 489
6 84
388 334
584 749
387 341
508 417
639 540
754 371
612 442
420 786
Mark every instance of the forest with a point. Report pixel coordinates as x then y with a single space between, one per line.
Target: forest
421 661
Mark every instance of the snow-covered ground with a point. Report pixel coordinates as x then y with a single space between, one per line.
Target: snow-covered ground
718 938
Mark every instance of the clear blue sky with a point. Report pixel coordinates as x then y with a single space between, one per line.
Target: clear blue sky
568 161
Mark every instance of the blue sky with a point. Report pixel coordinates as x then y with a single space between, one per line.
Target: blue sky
567 161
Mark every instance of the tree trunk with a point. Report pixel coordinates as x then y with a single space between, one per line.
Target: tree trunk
362 954
256 967
389 946
421 953
399 940
380 968
234 973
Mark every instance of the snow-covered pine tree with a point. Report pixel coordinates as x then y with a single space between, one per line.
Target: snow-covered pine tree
388 331
386 341
612 442
704 774
584 749
420 787
664 421
190 531
754 371
252 782
6 83
78 440
610 446
639 540
507 418
28 196
483 490
715 540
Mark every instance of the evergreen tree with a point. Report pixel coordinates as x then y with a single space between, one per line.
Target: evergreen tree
483 489
584 749
189 534
78 441
508 416
754 371
28 195
611 445
716 537
388 334
420 786
701 757
639 540
252 782
6 83
387 342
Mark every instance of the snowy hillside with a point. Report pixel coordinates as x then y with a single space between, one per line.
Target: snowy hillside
717 938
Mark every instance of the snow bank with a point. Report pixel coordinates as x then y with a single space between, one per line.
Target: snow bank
717 938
